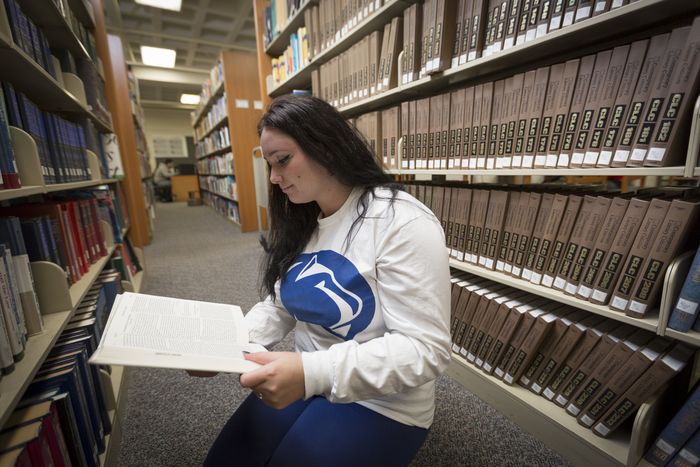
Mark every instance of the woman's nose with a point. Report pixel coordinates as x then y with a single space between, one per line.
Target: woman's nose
275 177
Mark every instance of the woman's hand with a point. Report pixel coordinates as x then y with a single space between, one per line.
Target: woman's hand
280 380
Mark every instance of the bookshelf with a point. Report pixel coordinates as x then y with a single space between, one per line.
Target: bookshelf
239 117
624 25
70 27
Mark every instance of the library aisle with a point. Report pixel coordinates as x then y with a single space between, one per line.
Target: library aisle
172 418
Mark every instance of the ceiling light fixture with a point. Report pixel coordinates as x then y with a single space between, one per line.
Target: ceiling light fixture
191 99
156 56
173 5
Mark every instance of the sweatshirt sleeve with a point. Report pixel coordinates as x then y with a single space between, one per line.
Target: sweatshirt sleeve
268 322
413 287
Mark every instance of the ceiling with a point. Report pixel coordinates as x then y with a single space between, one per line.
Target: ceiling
198 33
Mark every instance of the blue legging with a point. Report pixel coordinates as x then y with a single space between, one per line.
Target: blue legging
312 433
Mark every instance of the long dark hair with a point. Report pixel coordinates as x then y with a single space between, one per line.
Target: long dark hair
327 138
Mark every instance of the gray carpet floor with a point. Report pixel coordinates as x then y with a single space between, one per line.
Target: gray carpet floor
172 419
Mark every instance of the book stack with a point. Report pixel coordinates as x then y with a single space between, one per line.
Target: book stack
219 165
214 116
624 107
60 143
29 37
295 57
608 249
224 206
218 139
63 418
598 370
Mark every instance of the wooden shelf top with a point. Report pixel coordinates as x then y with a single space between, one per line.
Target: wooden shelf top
38 85
650 322
34 190
278 45
12 386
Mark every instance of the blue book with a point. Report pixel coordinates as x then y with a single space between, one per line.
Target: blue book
684 314
689 455
36 246
677 432
68 379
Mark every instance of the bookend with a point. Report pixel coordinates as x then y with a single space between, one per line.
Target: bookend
27 157
74 86
51 281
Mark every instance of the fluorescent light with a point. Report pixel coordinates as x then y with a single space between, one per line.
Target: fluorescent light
192 99
155 56
173 5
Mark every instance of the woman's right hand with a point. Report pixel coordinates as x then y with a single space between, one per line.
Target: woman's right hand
202 374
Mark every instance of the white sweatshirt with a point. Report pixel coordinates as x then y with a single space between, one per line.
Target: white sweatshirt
372 320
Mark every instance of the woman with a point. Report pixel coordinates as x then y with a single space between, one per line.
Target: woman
359 269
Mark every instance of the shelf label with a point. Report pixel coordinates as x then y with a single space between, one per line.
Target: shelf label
242 103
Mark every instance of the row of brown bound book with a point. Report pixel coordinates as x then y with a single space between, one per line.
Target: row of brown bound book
366 69
628 106
598 369
603 247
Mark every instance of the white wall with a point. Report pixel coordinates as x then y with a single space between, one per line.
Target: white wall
166 122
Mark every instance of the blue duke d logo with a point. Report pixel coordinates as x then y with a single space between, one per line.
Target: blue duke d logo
325 288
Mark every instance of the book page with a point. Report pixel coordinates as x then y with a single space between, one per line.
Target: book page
146 330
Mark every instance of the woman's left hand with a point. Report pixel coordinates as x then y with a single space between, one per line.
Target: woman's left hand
280 380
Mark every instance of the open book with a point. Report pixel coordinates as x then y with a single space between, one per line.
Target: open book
150 331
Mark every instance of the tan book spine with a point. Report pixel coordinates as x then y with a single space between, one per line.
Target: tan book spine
635 113
425 132
375 46
658 95
551 101
557 14
578 101
468 315
621 380
496 111
512 322
599 376
493 225
593 98
673 127
466 31
405 112
416 43
572 266
476 122
543 18
523 118
484 312
476 224
559 246
549 235
429 12
512 299
555 358
477 29
598 354
532 17
513 119
434 130
524 356
614 222
467 126
678 224
566 317
485 124
561 111
413 135
466 288
607 99
535 240
451 195
506 104
500 27
517 250
511 26
456 126
458 33
630 272
513 214
445 131
586 226
383 59
511 351
391 78
523 21
569 15
660 373
464 227
592 337
611 135
445 25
